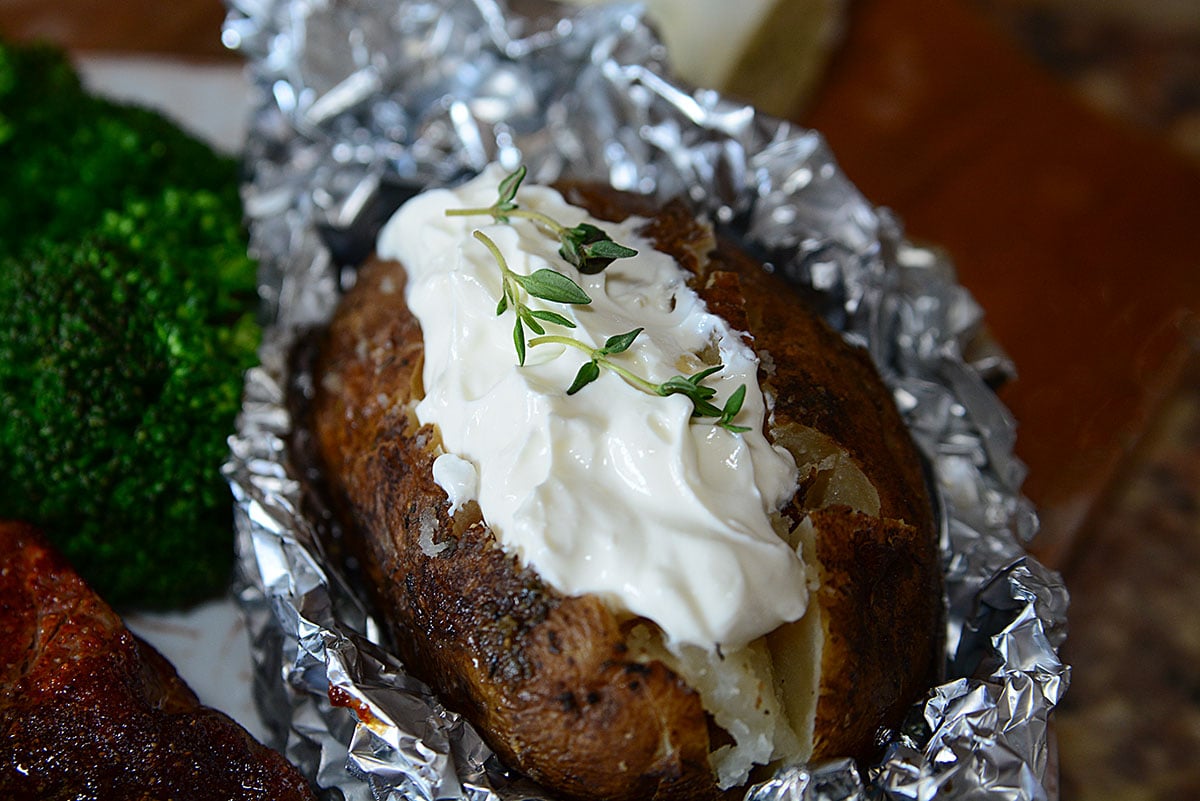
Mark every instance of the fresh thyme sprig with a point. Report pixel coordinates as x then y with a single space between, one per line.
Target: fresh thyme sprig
689 386
588 248
545 284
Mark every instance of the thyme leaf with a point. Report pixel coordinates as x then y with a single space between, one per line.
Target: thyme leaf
620 342
733 405
552 286
591 249
507 189
528 319
701 397
589 371
519 341
552 317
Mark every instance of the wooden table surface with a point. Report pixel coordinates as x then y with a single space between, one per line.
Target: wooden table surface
1081 239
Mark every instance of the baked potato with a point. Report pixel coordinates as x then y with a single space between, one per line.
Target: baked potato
586 698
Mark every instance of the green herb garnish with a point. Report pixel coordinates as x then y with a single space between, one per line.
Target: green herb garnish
590 249
690 386
586 247
544 283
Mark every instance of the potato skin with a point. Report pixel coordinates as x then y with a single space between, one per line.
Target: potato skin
880 579
545 678
881 606
548 679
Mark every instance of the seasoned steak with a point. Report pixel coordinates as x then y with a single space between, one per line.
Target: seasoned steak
89 711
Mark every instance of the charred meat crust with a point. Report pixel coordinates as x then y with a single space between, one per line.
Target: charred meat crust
546 678
87 710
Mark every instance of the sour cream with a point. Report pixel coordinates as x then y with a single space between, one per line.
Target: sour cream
611 491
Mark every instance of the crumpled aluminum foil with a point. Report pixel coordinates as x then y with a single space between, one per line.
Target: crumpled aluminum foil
362 102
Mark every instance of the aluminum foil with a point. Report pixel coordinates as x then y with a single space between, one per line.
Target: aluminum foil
362 102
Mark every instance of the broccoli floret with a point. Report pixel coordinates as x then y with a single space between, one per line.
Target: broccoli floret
35 71
121 362
69 156
126 324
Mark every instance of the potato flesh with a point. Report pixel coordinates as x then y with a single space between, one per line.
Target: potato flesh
835 480
782 668
795 648
738 689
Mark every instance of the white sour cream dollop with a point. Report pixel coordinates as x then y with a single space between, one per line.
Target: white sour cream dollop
611 491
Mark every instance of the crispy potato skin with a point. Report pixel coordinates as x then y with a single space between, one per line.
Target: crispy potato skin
880 592
881 606
548 679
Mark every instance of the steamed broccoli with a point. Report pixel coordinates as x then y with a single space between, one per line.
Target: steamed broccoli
69 156
126 324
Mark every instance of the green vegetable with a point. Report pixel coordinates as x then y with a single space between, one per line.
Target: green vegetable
68 156
127 307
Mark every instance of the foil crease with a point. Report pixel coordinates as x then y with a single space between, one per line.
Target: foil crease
362 102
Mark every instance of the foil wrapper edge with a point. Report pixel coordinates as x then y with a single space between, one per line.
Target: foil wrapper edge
359 100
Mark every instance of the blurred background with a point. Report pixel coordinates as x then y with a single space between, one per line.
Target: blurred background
1052 147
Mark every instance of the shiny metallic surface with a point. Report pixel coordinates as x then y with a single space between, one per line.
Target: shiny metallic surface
362 102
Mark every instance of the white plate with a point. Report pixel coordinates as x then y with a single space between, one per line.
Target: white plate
210 648
211 100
